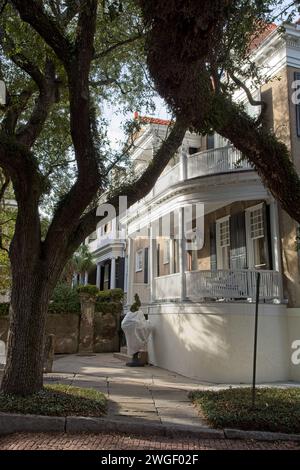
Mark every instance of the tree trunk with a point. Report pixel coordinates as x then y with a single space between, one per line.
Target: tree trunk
23 373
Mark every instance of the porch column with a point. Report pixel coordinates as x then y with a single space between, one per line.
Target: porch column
152 263
113 273
130 275
183 163
182 254
98 275
276 243
86 278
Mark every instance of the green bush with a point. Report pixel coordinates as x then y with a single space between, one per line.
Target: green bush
4 309
109 307
56 400
110 295
65 299
276 409
88 289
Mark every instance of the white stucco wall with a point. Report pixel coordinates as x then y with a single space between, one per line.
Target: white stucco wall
214 342
294 334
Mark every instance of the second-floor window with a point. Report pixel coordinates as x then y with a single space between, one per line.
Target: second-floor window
139 260
223 243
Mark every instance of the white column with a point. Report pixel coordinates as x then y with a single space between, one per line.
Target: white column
113 273
130 276
276 242
86 278
182 254
98 275
152 263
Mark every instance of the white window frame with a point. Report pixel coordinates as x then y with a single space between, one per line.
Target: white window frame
218 239
139 260
249 240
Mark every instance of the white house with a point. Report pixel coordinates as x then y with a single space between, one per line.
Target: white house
200 298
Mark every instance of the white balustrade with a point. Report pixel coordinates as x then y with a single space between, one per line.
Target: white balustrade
168 287
170 177
213 161
231 284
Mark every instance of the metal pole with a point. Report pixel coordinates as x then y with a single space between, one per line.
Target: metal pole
255 338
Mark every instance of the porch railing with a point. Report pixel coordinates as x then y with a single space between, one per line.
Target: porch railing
168 287
218 160
231 284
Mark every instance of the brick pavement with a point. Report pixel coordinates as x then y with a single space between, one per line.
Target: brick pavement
104 441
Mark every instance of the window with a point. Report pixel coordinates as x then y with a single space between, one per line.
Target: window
107 227
139 260
193 150
256 237
223 243
166 251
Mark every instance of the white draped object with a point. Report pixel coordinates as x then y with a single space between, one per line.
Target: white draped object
137 330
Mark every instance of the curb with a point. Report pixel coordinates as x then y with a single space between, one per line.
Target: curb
12 423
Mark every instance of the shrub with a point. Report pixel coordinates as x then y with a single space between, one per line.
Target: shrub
4 309
110 295
65 299
109 307
88 289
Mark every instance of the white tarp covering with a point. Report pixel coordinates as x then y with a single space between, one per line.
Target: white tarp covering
137 331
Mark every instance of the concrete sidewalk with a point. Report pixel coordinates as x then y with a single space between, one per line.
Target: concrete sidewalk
146 395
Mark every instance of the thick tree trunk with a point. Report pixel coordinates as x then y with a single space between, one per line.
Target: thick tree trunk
23 373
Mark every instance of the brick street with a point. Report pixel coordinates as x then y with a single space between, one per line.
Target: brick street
114 441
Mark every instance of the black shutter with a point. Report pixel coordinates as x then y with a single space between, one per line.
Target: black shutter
213 248
297 77
238 250
146 264
120 273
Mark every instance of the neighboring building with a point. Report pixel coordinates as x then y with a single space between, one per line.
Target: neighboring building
200 302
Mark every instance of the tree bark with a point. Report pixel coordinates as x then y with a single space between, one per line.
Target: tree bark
29 303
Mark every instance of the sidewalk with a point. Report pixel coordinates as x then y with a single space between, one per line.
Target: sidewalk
145 394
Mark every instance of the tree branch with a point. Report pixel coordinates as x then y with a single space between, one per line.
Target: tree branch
250 98
33 13
117 45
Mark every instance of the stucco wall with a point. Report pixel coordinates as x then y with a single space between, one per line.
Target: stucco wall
214 342
294 334
65 327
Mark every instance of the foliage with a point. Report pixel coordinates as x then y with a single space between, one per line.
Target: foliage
88 289
65 299
4 309
56 400
110 295
276 409
81 261
136 304
109 307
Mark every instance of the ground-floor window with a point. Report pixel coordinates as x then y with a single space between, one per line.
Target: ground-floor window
223 243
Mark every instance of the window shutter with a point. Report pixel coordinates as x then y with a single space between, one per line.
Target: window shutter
146 263
120 273
213 250
297 77
238 250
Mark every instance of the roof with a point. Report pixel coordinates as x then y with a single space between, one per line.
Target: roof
152 120
257 41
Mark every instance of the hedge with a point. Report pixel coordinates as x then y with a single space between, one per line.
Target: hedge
4 309
65 299
110 295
